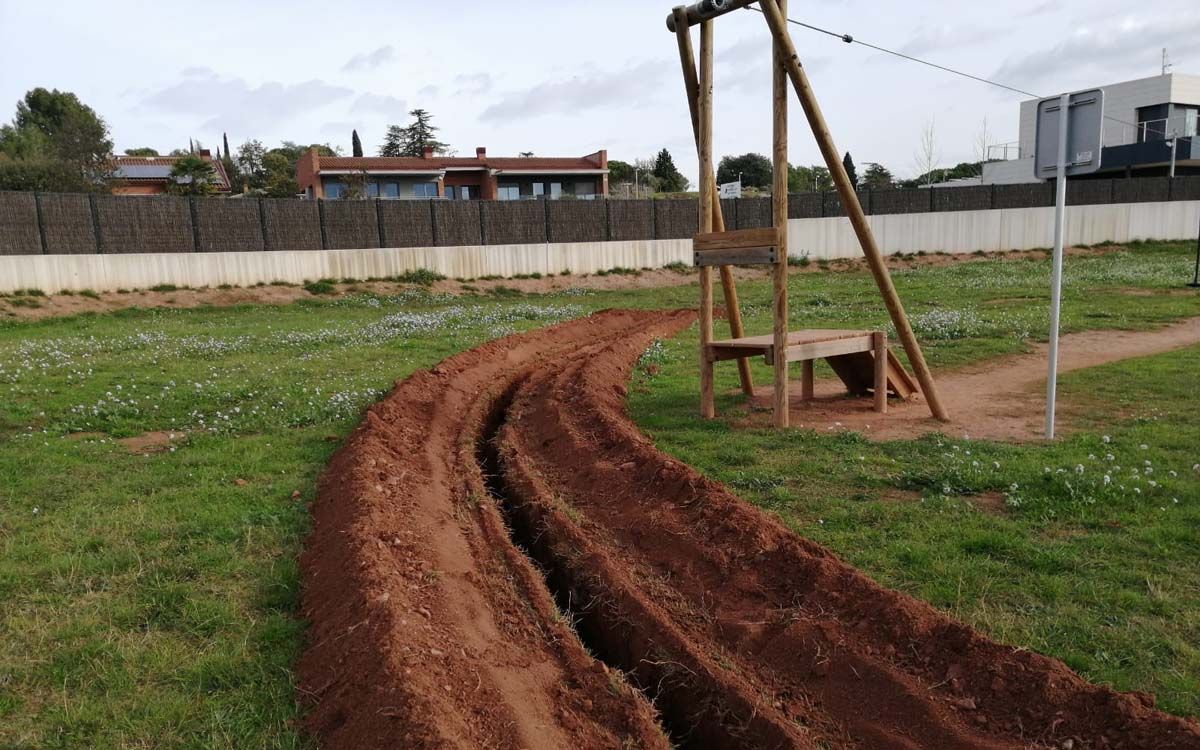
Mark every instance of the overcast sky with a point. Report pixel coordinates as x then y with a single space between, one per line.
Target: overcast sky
571 76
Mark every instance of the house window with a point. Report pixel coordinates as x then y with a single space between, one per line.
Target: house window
585 190
391 190
334 190
556 190
509 193
539 189
372 189
464 192
451 192
425 190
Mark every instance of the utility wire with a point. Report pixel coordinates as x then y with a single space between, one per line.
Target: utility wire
848 39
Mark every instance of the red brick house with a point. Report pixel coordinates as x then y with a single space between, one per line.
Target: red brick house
150 175
481 177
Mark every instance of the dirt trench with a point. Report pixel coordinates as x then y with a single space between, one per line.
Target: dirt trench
477 495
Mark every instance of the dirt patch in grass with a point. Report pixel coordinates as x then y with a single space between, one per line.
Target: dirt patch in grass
150 442
1000 399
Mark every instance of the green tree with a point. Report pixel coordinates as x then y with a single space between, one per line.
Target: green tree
670 179
756 170
421 135
141 151
55 126
814 179
192 175
49 175
878 177
280 170
619 171
851 170
355 144
393 141
249 160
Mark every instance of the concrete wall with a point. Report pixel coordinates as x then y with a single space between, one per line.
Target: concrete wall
952 232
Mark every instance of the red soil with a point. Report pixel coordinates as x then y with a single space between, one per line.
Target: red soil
431 629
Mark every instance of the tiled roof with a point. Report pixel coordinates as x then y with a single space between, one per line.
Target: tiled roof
412 163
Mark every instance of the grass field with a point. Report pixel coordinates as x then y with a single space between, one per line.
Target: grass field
148 588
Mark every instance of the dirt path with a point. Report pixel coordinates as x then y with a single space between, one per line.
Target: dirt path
432 629
1001 399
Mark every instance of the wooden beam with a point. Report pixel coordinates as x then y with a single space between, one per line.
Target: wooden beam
777 22
690 15
708 407
807 380
779 220
733 310
881 371
821 349
735 256
737 239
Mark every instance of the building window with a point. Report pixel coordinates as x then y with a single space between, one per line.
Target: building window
391 190
585 190
425 190
508 193
451 192
556 190
464 192
334 190
539 189
372 189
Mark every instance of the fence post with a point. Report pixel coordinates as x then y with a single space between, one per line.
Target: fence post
737 213
546 219
195 223
483 235
433 227
321 221
1170 188
992 197
96 223
931 209
821 196
1112 190
867 208
653 219
379 225
262 223
41 220
607 220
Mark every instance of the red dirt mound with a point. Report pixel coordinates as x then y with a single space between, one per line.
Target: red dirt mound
430 627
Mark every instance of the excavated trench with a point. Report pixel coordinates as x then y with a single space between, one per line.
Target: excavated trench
438 614
692 712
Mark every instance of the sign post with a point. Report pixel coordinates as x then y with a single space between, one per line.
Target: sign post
731 189
1069 142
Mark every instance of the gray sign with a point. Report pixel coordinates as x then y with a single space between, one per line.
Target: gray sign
1085 127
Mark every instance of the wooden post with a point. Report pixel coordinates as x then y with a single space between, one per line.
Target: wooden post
687 60
812 111
881 366
708 407
779 219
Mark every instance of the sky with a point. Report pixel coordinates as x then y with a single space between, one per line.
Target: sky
569 77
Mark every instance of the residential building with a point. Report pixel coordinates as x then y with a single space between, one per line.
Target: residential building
1142 118
480 177
151 175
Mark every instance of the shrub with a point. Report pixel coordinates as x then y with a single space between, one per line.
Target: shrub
324 286
90 294
422 276
164 288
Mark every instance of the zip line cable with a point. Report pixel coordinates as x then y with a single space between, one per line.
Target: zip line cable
848 39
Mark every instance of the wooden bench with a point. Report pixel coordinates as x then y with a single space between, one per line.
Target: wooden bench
861 359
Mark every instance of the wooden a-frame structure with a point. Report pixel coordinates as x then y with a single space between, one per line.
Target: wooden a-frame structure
860 358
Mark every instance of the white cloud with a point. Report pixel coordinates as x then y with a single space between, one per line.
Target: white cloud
612 89
368 60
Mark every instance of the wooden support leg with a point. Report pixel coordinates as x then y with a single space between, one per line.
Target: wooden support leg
691 82
806 380
779 219
881 368
708 408
777 22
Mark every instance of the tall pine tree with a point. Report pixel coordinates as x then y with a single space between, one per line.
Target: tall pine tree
420 135
670 180
393 141
848 163
355 143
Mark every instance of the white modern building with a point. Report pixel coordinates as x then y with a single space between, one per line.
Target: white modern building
1142 118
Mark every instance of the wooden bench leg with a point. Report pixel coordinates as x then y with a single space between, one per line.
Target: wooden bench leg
806 380
881 367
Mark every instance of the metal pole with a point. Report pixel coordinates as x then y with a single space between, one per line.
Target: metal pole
1060 209
1173 142
1196 278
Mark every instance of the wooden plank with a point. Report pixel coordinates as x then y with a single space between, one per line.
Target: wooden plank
691 82
779 224
742 256
735 239
807 336
819 349
881 368
777 22
901 382
708 406
718 353
807 381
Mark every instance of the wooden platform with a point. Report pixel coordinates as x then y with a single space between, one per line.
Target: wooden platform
851 354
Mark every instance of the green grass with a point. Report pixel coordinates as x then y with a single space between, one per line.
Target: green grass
324 286
150 600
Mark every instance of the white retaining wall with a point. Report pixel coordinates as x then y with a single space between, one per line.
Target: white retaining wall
951 232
